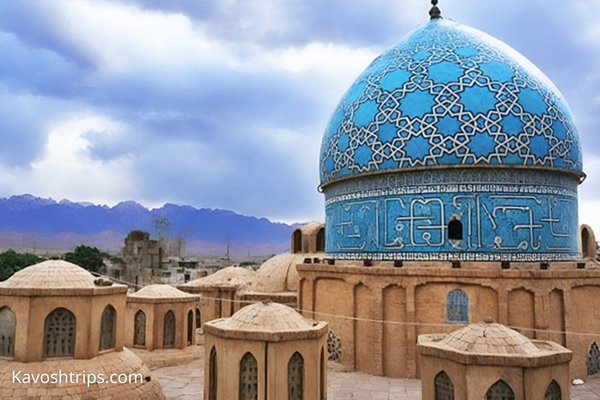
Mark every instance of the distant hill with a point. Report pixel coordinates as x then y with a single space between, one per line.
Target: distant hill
27 221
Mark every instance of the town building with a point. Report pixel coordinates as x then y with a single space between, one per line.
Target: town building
57 317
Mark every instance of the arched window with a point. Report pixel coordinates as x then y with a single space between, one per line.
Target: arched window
593 359
444 389
296 377
169 330
107 328
297 241
321 240
248 378
212 371
59 334
457 307
139 335
585 242
500 391
190 327
198 319
553 392
455 230
8 324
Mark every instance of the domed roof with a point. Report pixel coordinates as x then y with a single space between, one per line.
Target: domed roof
56 274
489 338
310 227
227 277
278 274
165 292
447 94
488 343
56 277
266 321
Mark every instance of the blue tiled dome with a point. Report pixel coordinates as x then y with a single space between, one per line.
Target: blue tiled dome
448 94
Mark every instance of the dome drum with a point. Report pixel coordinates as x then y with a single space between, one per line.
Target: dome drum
454 214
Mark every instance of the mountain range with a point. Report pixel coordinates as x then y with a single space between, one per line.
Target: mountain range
28 222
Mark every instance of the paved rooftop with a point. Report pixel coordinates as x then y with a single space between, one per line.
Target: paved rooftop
186 382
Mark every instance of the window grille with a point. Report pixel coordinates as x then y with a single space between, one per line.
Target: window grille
8 324
139 337
248 378
107 328
444 389
296 377
500 391
169 330
334 346
59 334
553 392
457 307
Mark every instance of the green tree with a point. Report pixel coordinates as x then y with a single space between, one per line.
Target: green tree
11 262
86 257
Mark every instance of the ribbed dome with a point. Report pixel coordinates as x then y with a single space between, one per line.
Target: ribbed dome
448 94
266 321
51 274
227 277
489 338
278 274
161 292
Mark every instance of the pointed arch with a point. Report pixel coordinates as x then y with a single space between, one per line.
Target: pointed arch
296 377
248 378
8 324
59 333
553 392
444 388
500 391
198 318
169 330
321 240
297 241
139 334
212 375
107 328
593 363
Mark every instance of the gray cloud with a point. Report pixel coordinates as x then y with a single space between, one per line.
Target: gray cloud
208 135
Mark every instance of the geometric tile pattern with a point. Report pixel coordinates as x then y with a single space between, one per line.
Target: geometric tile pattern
448 94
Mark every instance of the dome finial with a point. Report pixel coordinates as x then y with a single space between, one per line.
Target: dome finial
435 12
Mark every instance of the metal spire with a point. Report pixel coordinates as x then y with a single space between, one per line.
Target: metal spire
435 12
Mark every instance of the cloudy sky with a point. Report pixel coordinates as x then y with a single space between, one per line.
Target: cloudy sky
223 103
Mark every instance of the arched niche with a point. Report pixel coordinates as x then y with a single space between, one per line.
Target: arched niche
139 334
